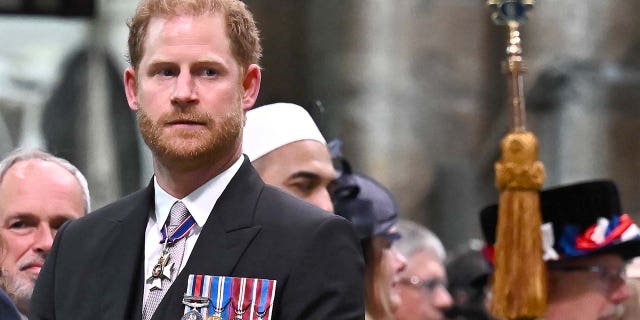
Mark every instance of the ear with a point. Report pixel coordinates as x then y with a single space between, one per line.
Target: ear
251 86
131 88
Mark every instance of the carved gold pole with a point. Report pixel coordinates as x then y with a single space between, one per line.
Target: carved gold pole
519 281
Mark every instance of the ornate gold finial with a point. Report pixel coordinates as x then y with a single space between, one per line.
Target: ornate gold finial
519 280
510 11
513 13
518 168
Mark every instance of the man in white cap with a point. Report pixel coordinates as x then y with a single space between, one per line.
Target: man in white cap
288 151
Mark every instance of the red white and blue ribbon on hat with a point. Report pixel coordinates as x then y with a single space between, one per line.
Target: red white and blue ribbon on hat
602 234
230 298
572 243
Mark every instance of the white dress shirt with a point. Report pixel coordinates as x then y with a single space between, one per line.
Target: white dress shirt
200 203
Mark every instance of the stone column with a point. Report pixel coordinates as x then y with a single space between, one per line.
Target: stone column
401 82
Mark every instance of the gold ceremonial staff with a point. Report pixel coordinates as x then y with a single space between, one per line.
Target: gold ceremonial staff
519 279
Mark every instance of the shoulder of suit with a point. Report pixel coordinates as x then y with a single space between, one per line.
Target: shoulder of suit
287 206
116 210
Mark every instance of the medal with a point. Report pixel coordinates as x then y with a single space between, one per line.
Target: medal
222 287
217 311
192 315
228 298
195 302
262 313
162 270
240 313
208 295
265 292
196 299
241 296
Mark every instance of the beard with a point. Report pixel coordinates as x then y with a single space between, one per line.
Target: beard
192 149
17 286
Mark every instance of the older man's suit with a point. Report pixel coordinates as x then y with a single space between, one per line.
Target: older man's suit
8 310
95 268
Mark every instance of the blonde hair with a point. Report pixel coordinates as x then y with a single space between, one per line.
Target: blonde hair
241 27
377 295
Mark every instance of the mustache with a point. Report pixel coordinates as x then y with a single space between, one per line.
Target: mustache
32 260
616 310
186 117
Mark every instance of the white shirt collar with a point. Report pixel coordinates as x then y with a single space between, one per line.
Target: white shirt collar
200 202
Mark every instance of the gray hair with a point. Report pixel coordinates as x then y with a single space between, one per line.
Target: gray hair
416 238
29 154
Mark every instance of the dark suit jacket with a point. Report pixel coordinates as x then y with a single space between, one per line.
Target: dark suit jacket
95 268
8 310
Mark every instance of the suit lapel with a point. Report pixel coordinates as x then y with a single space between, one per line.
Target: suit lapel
224 237
123 259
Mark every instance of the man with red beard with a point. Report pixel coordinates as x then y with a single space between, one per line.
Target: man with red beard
38 193
206 214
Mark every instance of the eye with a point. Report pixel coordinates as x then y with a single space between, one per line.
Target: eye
167 73
305 187
21 225
208 72
18 225
55 224
163 70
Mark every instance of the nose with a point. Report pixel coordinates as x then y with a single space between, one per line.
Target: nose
621 293
400 260
43 239
184 91
442 299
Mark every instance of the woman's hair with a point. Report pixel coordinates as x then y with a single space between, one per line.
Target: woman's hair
377 295
373 211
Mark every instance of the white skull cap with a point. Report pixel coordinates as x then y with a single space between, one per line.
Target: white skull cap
272 126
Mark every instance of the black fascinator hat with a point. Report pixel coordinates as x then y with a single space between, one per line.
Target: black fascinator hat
362 200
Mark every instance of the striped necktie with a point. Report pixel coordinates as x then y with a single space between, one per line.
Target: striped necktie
174 234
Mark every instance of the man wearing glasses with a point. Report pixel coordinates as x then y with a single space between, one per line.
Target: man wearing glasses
587 240
423 283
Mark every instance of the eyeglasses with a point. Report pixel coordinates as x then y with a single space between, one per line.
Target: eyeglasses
606 274
427 285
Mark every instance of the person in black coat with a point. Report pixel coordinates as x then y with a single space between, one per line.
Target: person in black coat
194 72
